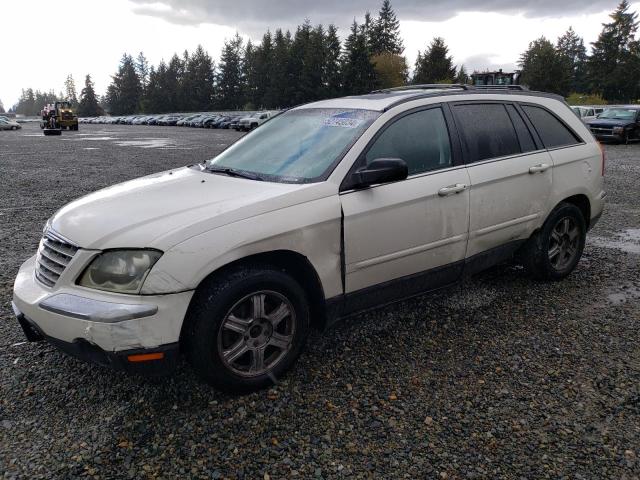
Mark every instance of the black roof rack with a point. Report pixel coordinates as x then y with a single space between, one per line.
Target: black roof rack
424 86
500 87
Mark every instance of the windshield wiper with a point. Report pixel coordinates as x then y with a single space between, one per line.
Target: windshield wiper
234 173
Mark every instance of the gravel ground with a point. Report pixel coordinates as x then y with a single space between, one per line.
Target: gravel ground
499 377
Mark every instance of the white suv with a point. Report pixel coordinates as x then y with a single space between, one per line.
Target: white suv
329 209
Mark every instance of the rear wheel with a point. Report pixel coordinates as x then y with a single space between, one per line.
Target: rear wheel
554 251
246 329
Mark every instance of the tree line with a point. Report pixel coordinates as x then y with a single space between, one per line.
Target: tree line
612 71
286 69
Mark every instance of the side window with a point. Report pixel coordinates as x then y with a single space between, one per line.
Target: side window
421 139
552 131
523 133
486 130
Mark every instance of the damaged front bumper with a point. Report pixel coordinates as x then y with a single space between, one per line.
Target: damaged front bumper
125 332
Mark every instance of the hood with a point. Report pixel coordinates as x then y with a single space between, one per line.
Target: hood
162 210
606 122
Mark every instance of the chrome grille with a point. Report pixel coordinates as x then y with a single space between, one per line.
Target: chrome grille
54 254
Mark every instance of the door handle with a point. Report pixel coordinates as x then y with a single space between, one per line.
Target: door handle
542 167
452 189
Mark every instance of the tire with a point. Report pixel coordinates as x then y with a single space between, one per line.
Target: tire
554 251
233 318
253 125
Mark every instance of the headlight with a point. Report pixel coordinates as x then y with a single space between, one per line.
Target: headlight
121 271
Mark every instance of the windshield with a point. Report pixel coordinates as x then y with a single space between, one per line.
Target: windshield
298 145
619 114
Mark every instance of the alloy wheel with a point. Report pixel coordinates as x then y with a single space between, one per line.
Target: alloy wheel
564 243
257 333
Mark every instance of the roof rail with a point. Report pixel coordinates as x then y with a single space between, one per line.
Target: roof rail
500 87
424 86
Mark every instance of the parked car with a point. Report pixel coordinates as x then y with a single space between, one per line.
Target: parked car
233 261
209 121
586 113
184 120
233 119
253 121
6 124
619 124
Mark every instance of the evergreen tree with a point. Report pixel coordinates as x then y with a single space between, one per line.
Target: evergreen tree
199 78
434 65
173 84
614 66
1 107
358 74
142 69
300 81
251 77
385 32
70 91
155 94
462 77
332 79
278 85
124 92
544 68
258 67
571 48
230 75
88 106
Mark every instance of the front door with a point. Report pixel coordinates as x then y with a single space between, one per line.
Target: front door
402 229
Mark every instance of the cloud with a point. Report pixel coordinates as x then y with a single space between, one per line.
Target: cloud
255 16
483 61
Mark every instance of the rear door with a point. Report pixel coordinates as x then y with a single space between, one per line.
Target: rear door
511 175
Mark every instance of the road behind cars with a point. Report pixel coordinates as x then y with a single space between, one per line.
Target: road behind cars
498 377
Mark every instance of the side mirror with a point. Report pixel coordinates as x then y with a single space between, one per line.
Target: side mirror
380 170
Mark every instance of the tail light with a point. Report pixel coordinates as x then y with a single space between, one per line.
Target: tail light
604 158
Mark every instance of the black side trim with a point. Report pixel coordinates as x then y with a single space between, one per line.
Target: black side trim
393 291
417 284
483 260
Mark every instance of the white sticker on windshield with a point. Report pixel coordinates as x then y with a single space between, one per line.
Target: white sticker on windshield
342 122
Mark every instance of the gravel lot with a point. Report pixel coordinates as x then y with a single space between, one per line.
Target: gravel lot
499 377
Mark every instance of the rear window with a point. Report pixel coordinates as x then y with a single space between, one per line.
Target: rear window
552 131
486 131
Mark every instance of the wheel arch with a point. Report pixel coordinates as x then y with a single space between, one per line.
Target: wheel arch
584 205
288 261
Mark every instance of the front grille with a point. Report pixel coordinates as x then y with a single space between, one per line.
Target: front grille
601 131
54 254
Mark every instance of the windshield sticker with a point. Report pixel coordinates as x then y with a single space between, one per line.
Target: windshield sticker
342 122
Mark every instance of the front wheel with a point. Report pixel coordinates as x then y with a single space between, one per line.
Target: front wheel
553 252
246 329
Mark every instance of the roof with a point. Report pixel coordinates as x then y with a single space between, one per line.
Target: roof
382 100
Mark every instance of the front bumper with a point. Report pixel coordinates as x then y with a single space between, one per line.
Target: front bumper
164 357
616 137
100 327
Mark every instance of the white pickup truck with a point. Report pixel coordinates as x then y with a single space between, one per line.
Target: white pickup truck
253 121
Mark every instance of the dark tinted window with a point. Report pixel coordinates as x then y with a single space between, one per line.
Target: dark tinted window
486 130
523 133
421 139
552 131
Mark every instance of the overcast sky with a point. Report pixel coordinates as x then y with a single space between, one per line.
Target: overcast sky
44 41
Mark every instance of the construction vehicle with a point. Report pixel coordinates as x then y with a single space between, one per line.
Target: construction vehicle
63 115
